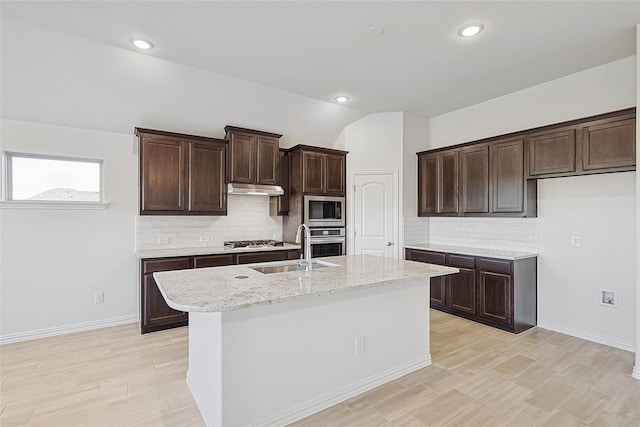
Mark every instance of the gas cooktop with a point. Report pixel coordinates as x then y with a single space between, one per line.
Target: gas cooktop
251 243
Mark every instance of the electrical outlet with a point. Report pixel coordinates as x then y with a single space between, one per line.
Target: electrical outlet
204 238
609 298
359 345
575 241
98 297
163 240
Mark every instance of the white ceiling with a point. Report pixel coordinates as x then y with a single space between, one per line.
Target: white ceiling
320 49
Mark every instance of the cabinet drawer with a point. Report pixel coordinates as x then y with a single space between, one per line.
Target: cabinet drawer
165 264
212 260
262 257
494 265
462 261
427 257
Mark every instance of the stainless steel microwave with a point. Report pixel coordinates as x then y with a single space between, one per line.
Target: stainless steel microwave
324 211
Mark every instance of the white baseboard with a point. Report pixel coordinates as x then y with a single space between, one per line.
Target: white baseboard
636 372
589 336
67 329
336 396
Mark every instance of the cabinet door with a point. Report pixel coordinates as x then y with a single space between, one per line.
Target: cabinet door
268 157
156 314
438 284
552 152
162 164
448 182
496 291
207 189
335 174
312 172
475 179
507 177
282 202
427 184
461 295
242 158
609 145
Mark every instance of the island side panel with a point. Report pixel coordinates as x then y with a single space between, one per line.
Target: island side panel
204 373
282 362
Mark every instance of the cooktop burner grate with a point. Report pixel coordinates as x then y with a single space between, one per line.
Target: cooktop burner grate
232 244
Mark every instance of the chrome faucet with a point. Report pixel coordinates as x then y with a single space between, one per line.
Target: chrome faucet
307 246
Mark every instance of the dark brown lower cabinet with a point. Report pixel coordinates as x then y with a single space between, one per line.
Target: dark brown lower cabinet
155 314
496 292
461 292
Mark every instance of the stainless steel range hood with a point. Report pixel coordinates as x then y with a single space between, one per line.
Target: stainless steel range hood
255 189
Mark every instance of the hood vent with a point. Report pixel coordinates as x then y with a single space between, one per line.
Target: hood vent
255 189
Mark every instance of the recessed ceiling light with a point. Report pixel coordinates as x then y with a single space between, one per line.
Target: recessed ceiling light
470 30
341 99
141 43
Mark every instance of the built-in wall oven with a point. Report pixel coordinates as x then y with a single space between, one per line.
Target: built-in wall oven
324 211
327 242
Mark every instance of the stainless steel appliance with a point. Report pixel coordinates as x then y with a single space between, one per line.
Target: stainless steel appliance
327 242
324 211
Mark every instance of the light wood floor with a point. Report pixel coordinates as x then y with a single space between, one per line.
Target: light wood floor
480 376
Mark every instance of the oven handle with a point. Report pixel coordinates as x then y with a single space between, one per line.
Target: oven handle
321 240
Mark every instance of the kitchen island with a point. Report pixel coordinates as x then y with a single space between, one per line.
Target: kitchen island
269 349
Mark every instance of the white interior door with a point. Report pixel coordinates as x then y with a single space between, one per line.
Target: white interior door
375 214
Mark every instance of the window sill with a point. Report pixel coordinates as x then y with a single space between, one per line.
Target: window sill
53 205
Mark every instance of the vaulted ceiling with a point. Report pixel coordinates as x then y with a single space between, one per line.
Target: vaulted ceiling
320 49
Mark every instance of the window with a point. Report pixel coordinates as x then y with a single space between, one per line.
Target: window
37 178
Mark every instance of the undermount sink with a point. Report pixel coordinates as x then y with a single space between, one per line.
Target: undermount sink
267 269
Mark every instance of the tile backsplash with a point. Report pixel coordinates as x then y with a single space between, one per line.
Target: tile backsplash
516 234
247 218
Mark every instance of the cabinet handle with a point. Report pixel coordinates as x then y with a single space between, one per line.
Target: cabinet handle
389 243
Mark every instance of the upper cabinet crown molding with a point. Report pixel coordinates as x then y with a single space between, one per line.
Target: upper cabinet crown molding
253 156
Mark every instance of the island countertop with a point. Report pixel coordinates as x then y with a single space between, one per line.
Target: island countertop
237 287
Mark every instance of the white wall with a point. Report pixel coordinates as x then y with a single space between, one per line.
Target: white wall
374 143
53 261
600 209
598 90
55 78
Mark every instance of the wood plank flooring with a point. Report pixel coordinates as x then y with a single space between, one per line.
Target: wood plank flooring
480 377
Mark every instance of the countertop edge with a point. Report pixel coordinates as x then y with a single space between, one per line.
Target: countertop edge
471 251
442 270
207 250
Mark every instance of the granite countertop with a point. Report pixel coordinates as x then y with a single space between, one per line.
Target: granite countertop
461 250
239 286
207 250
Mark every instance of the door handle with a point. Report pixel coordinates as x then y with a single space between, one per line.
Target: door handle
389 243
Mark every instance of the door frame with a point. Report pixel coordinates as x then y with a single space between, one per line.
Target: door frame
397 210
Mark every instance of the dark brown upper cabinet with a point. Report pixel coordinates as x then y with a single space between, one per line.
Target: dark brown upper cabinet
253 156
489 182
552 152
323 171
475 179
506 159
279 205
181 174
609 144
438 183
598 144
